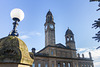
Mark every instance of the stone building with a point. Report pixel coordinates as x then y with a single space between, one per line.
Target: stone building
58 55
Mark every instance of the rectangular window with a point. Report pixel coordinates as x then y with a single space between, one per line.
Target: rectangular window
33 65
85 65
82 65
68 64
64 65
75 65
39 65
46 65
88 66
58 64
52 65
51 52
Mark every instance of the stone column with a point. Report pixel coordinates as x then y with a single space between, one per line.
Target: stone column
36 64
66 64
55 64
42 64
92 65
71 64
61 64
82 55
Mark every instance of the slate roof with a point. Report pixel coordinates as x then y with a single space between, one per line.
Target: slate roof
49 13
69 32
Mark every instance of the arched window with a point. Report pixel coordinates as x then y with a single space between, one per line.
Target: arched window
68 64
67 38
71 38
64 65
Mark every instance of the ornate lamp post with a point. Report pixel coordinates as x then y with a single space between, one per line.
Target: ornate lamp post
17 15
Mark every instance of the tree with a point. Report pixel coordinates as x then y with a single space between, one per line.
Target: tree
96 25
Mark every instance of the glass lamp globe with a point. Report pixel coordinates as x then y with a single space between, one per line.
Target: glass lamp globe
17 14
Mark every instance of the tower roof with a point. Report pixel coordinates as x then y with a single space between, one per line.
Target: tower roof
68 32
49 13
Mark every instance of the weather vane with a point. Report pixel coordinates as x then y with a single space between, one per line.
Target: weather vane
17 15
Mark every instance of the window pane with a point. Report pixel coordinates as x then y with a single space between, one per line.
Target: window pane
46 65
51 52
85 66
33 65
67 39
75 65
39 65
88 66
52 65
64 65
68 64
82 66
58 64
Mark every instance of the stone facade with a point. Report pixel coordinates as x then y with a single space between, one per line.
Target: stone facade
58 55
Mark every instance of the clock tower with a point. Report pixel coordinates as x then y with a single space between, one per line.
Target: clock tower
49 29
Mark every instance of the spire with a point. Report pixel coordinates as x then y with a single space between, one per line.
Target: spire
49 16
49 13
69 32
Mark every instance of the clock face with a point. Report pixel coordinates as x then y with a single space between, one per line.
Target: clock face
51 26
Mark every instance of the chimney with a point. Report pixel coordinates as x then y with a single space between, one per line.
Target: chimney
78 55
90 55
82 55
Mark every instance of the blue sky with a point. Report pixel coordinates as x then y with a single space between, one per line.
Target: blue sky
78 15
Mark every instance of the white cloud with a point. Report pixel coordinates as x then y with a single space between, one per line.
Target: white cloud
97 64
34 34
38 34
82 49
37 51
29 35
24 37
95 54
